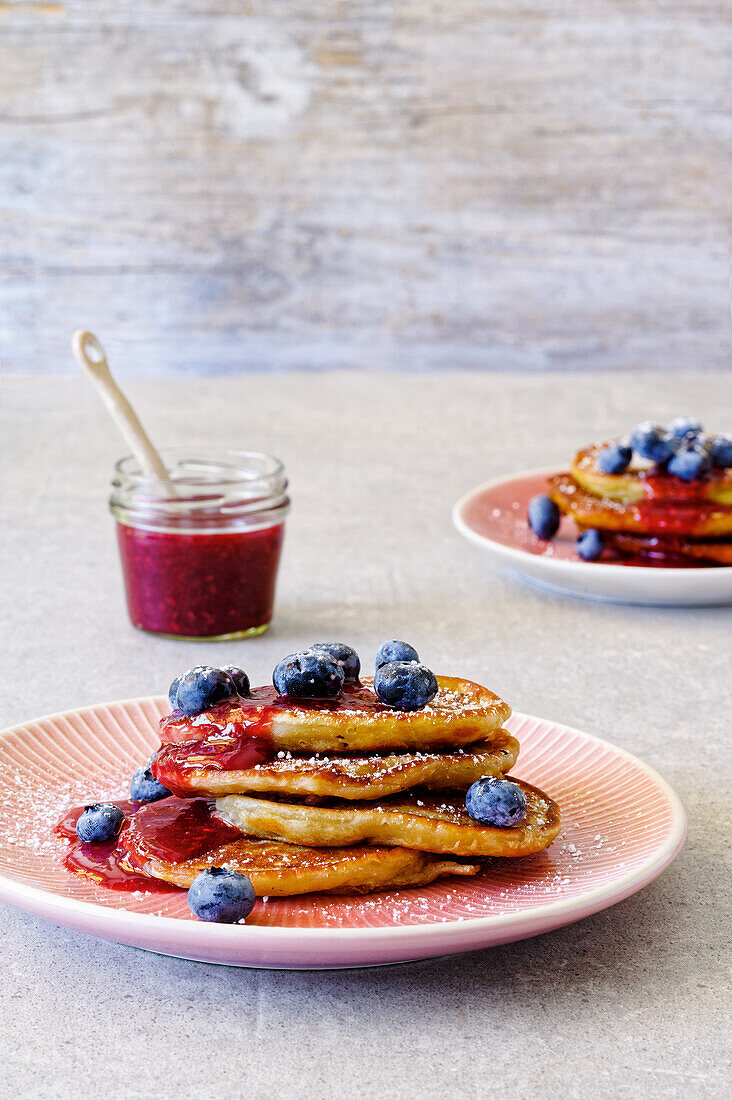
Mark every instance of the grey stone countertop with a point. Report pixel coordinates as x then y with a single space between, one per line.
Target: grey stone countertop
632 1002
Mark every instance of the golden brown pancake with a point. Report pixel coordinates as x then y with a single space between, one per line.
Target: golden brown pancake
695 519
462 713
352 777
422 820
280 870
642 481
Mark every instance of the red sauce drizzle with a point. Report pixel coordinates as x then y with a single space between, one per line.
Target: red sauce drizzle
236 735
178 829
172 829
254 714
172 763
106 865
660 485
680 517
675 506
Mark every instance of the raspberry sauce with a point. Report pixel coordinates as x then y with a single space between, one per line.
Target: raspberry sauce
105 863
175 830
673 506
236 735
658 484
677 517
203 585
172 764
254 712
171 829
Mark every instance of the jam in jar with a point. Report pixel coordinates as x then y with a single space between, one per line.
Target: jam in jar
200 552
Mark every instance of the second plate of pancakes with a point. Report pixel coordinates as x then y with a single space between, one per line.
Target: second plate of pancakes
493 516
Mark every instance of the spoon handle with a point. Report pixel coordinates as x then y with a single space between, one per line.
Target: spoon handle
91 357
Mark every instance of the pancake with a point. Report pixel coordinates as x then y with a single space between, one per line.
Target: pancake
351 777
462 713
673 550
281 870
694 519
643 481
277 869
421 820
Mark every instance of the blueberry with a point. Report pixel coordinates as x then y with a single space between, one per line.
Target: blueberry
615 458
590 545
544 516
239 679
202 687
220 895
343 655
684 428
173 691
650 441
690 463
99 822
144 787
395 651
405 685
308 676
494 800
720 449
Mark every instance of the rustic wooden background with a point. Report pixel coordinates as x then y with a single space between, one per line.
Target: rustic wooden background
223 185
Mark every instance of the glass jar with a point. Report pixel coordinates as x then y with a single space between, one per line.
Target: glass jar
200 552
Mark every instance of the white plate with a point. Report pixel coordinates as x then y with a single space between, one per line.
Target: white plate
494 517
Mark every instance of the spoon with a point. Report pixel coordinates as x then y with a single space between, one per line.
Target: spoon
91 357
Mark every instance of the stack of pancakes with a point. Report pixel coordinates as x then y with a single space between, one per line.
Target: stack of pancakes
352 797
647 513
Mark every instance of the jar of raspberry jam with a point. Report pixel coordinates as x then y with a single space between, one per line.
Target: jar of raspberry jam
200 552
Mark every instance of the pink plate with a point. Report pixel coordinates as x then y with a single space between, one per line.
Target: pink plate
494 517
622 825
